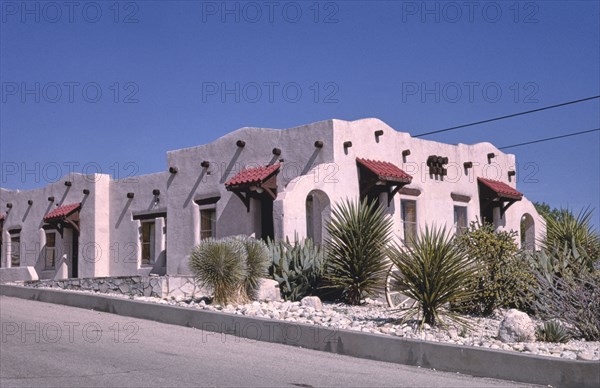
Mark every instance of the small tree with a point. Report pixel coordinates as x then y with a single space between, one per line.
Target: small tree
359 233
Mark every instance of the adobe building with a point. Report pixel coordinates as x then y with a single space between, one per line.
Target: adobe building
255 181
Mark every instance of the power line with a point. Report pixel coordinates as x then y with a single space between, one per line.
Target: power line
549 138
507 116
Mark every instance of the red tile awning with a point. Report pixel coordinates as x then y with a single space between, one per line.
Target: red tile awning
501 189
385 171
62 212
252 176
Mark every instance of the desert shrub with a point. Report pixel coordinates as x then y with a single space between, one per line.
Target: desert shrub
257 264
298 267
433 271
572 296
359 233
221 266
552 331
503 278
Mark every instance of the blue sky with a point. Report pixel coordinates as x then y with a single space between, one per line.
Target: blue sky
111 86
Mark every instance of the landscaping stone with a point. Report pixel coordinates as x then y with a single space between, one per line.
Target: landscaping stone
516 326
312 301
269 290
372 317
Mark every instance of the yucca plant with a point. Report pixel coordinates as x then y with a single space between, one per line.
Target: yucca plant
574 232
433 270
553 331
221 266
257 263
359 233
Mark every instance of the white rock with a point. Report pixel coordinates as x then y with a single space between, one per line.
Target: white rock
516 327
568 354
312 301
586 356
269 290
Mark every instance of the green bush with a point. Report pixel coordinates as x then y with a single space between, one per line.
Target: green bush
503 278
359 233
221 266
298 267
552 331
231 268
432 270
257 263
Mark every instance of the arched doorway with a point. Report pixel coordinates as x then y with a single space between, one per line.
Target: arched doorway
527 232
317 213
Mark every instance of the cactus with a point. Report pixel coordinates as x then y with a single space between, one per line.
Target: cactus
297 267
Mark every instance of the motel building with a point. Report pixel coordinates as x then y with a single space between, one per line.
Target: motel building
260 182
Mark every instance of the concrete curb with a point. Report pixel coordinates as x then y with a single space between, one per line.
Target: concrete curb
444 357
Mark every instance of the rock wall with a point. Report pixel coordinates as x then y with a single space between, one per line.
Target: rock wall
157 286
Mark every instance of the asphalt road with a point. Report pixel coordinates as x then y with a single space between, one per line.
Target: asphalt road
47 345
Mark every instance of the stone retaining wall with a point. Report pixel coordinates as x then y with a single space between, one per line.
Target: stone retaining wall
157 286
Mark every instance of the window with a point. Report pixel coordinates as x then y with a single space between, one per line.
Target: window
50 250
408 211
15 250
208 216
208 223
148 242
460 219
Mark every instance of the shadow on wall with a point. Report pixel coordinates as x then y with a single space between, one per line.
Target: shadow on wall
160 265
195 187
123 212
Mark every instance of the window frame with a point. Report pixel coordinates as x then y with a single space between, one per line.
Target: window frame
13 236
459 230
150 243
48 249
414 225
213 221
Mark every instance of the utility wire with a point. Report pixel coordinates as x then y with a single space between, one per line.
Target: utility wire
549 138
507 116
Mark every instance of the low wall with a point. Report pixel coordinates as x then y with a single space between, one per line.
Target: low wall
17 274
157 286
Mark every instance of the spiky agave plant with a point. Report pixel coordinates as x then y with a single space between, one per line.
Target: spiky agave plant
433 271
553 331
221 266
257 263
359 233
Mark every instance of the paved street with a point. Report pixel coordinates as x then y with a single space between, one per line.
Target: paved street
51 345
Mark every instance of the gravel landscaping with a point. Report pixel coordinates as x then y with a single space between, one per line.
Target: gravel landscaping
376 317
